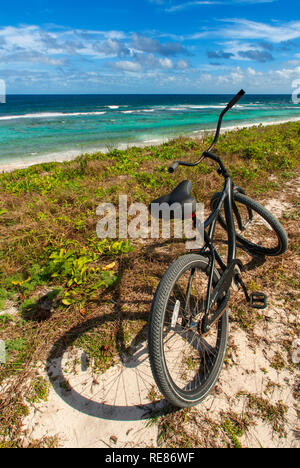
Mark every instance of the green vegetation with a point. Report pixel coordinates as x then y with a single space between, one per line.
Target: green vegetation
274 415
233 431
58 274
38 391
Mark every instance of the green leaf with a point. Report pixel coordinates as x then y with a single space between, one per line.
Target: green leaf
67 302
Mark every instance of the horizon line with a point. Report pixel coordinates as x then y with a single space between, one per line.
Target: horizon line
141 94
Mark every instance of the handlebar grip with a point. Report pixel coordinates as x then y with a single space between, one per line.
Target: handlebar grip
173 167
236 99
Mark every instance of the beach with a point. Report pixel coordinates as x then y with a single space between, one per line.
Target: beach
77 351
35 129
73 154
74 309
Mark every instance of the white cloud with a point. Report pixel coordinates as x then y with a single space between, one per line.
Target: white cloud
182 64
177 7
237 75
166 63
251 71
246 29
24 38
206 77
34 57
33 39
75 55
148 44
184 6
278 80
126 65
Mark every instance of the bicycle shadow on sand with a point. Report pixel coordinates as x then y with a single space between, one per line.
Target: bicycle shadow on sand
126 391
121 393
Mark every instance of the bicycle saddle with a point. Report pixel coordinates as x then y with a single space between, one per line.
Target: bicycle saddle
181 195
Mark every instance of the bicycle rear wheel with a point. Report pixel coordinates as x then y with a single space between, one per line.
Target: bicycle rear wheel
261 232
184 363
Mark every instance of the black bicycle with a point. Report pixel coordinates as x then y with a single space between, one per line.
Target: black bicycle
188 326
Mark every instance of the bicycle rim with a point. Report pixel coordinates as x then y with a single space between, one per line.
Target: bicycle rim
189 362
256 228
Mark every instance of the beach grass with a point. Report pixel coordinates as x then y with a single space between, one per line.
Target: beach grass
55 273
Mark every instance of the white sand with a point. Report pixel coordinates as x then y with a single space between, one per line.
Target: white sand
85 411
70 155
88 410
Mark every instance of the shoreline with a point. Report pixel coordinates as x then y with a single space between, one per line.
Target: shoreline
71 155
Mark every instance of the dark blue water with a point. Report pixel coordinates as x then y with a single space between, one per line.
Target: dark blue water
63 125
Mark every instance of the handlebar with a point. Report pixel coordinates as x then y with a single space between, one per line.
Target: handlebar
235 99
232 103
173 166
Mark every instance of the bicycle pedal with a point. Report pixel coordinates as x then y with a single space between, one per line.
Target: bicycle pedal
258 300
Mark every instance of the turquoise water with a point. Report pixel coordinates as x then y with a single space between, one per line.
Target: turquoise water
34 126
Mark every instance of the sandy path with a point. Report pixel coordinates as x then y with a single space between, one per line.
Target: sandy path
88 410
76 413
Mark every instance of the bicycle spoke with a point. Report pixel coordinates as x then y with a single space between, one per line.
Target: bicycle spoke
189 357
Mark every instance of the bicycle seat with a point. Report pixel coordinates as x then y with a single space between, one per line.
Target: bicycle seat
180 195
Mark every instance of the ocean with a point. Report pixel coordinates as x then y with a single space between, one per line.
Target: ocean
59 127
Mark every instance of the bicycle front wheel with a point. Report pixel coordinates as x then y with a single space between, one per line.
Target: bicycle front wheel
256 228
185 364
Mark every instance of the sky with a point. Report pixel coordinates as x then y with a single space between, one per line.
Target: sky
149 46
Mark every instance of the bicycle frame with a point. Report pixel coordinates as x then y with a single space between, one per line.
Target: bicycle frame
186 357
220 292
221 289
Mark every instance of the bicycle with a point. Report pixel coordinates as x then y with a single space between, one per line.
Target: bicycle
188 326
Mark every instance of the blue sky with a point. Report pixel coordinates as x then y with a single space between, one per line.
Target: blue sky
150 46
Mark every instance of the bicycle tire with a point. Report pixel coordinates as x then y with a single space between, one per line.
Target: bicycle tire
158 349
264 222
